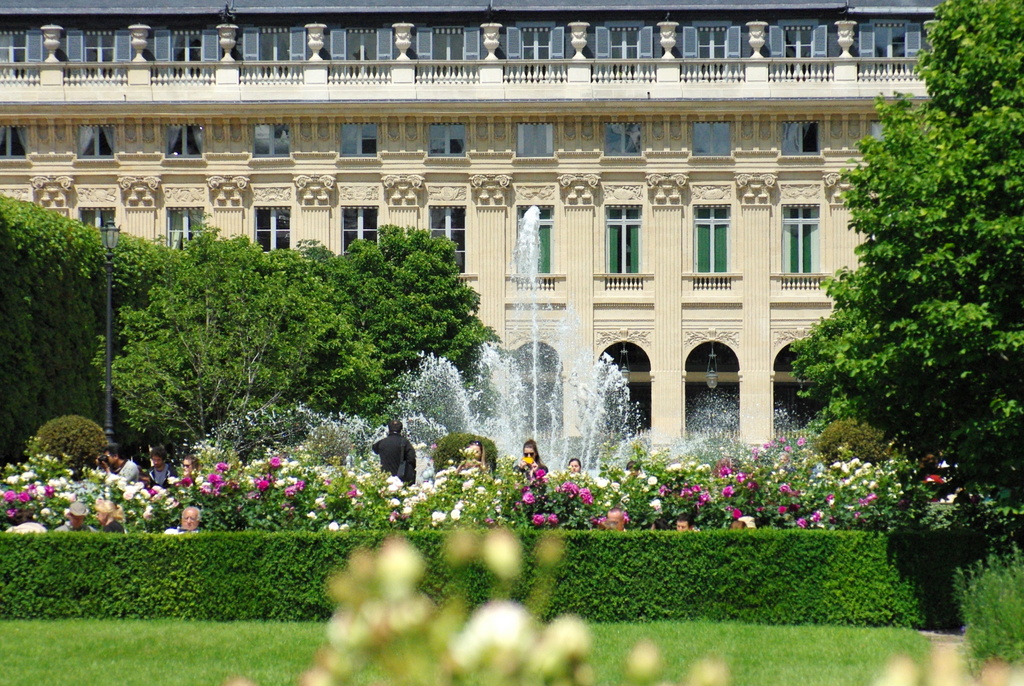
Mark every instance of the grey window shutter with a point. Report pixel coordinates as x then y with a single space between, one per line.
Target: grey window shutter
819 41
75 46
472 42
385 46
251 44
339 40
913 45
647 42
297 44
122 46
424 44
866 46
162 45
558 43
690 42
733 44
776 44
211 45
34 45
514 43
603 49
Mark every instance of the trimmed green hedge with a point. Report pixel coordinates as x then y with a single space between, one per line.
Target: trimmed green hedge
765 576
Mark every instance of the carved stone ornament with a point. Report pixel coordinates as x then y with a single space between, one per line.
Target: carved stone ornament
695 338
800 191
640 338
781 338
711 192
403 189
272 193
518 335
139 191
578 189
624 193
314 191
755 189
227 191
184 195
490 190
102 195
667 189
15 193
359 193
535 194
447 193
53 192
835 187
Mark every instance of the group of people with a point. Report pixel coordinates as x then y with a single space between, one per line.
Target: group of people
112 462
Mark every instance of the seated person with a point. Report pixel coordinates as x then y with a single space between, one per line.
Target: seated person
685 523
190 517
575 466
161 469
616 520
110 516
475 456
77 512
531 461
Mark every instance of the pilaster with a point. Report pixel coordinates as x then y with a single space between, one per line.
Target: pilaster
228 195
404 195
488 257
315 194
582 229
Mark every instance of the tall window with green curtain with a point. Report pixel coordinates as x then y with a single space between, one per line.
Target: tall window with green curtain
711 229
544 235
800 250
623 226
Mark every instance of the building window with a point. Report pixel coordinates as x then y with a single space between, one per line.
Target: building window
358 224
711 42
450 223
711 240
272 140
358 140
97 216
12 46
890 40
536 42
95 141
800 138
183 225
99 46
544 231
449 43
535 140
362 44
798 41
876 131
187 46
623 240
623 138
12 141
800 240
712 138
274 228
625 43
185 140
274 44
447 140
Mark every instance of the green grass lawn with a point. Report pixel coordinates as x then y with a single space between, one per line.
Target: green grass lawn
149 653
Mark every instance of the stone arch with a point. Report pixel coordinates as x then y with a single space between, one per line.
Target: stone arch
712 411
539 369
790 411
638 369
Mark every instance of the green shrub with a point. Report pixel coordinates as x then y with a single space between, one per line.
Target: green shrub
852 438
992 605
76 439
449 450
763 576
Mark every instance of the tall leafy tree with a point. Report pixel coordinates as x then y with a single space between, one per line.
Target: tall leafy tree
927 337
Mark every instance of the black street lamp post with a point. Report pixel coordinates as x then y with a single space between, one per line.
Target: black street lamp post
110 233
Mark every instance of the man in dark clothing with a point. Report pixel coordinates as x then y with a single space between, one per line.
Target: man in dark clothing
397 456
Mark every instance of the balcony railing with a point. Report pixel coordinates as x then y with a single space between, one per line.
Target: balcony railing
713 283
621 284
810 283
801 70
92 75
887 70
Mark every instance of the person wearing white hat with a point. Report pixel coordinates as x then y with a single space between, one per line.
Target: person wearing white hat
77 513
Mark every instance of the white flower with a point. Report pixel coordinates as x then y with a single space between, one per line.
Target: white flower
333 526
601 482
500 633
437 516
656 504
12 480
394 484
468 484
652 481
394 502
311 515
674 467
456 514
46 512
407 510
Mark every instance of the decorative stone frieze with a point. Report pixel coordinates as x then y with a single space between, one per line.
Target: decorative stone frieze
714 192
139 191
610 337
52 192
227 191
15 193
359 193
315 191
490 190
695 338
102 195
834 188
623 193
667 189
800 191
578 189
403 189
183 195
755 189
536 194
272 194
447 193
781 338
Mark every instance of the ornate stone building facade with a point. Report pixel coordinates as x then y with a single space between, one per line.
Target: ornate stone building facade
687 168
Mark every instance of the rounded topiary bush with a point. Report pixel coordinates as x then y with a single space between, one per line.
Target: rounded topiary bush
854 438
992 607
449 450
71 437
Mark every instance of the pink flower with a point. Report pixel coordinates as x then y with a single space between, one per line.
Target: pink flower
782 509
724 471
290 492
540 474
785 488
262 485
215 479
48 491
788 448
300 485
353 492
553 520
741 477
12 513
736 514
539 520
801 441
186 481
529 498
222 466
752 485
816 517
727 492
24 496
9 496
830 498
569 488
275 462
586 496
802 523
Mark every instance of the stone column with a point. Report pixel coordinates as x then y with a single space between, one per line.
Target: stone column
491 201
582 228
228 196
315 195
665 232
841 240
403 193
140 197
754 234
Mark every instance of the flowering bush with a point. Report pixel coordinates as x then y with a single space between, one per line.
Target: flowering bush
781 484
